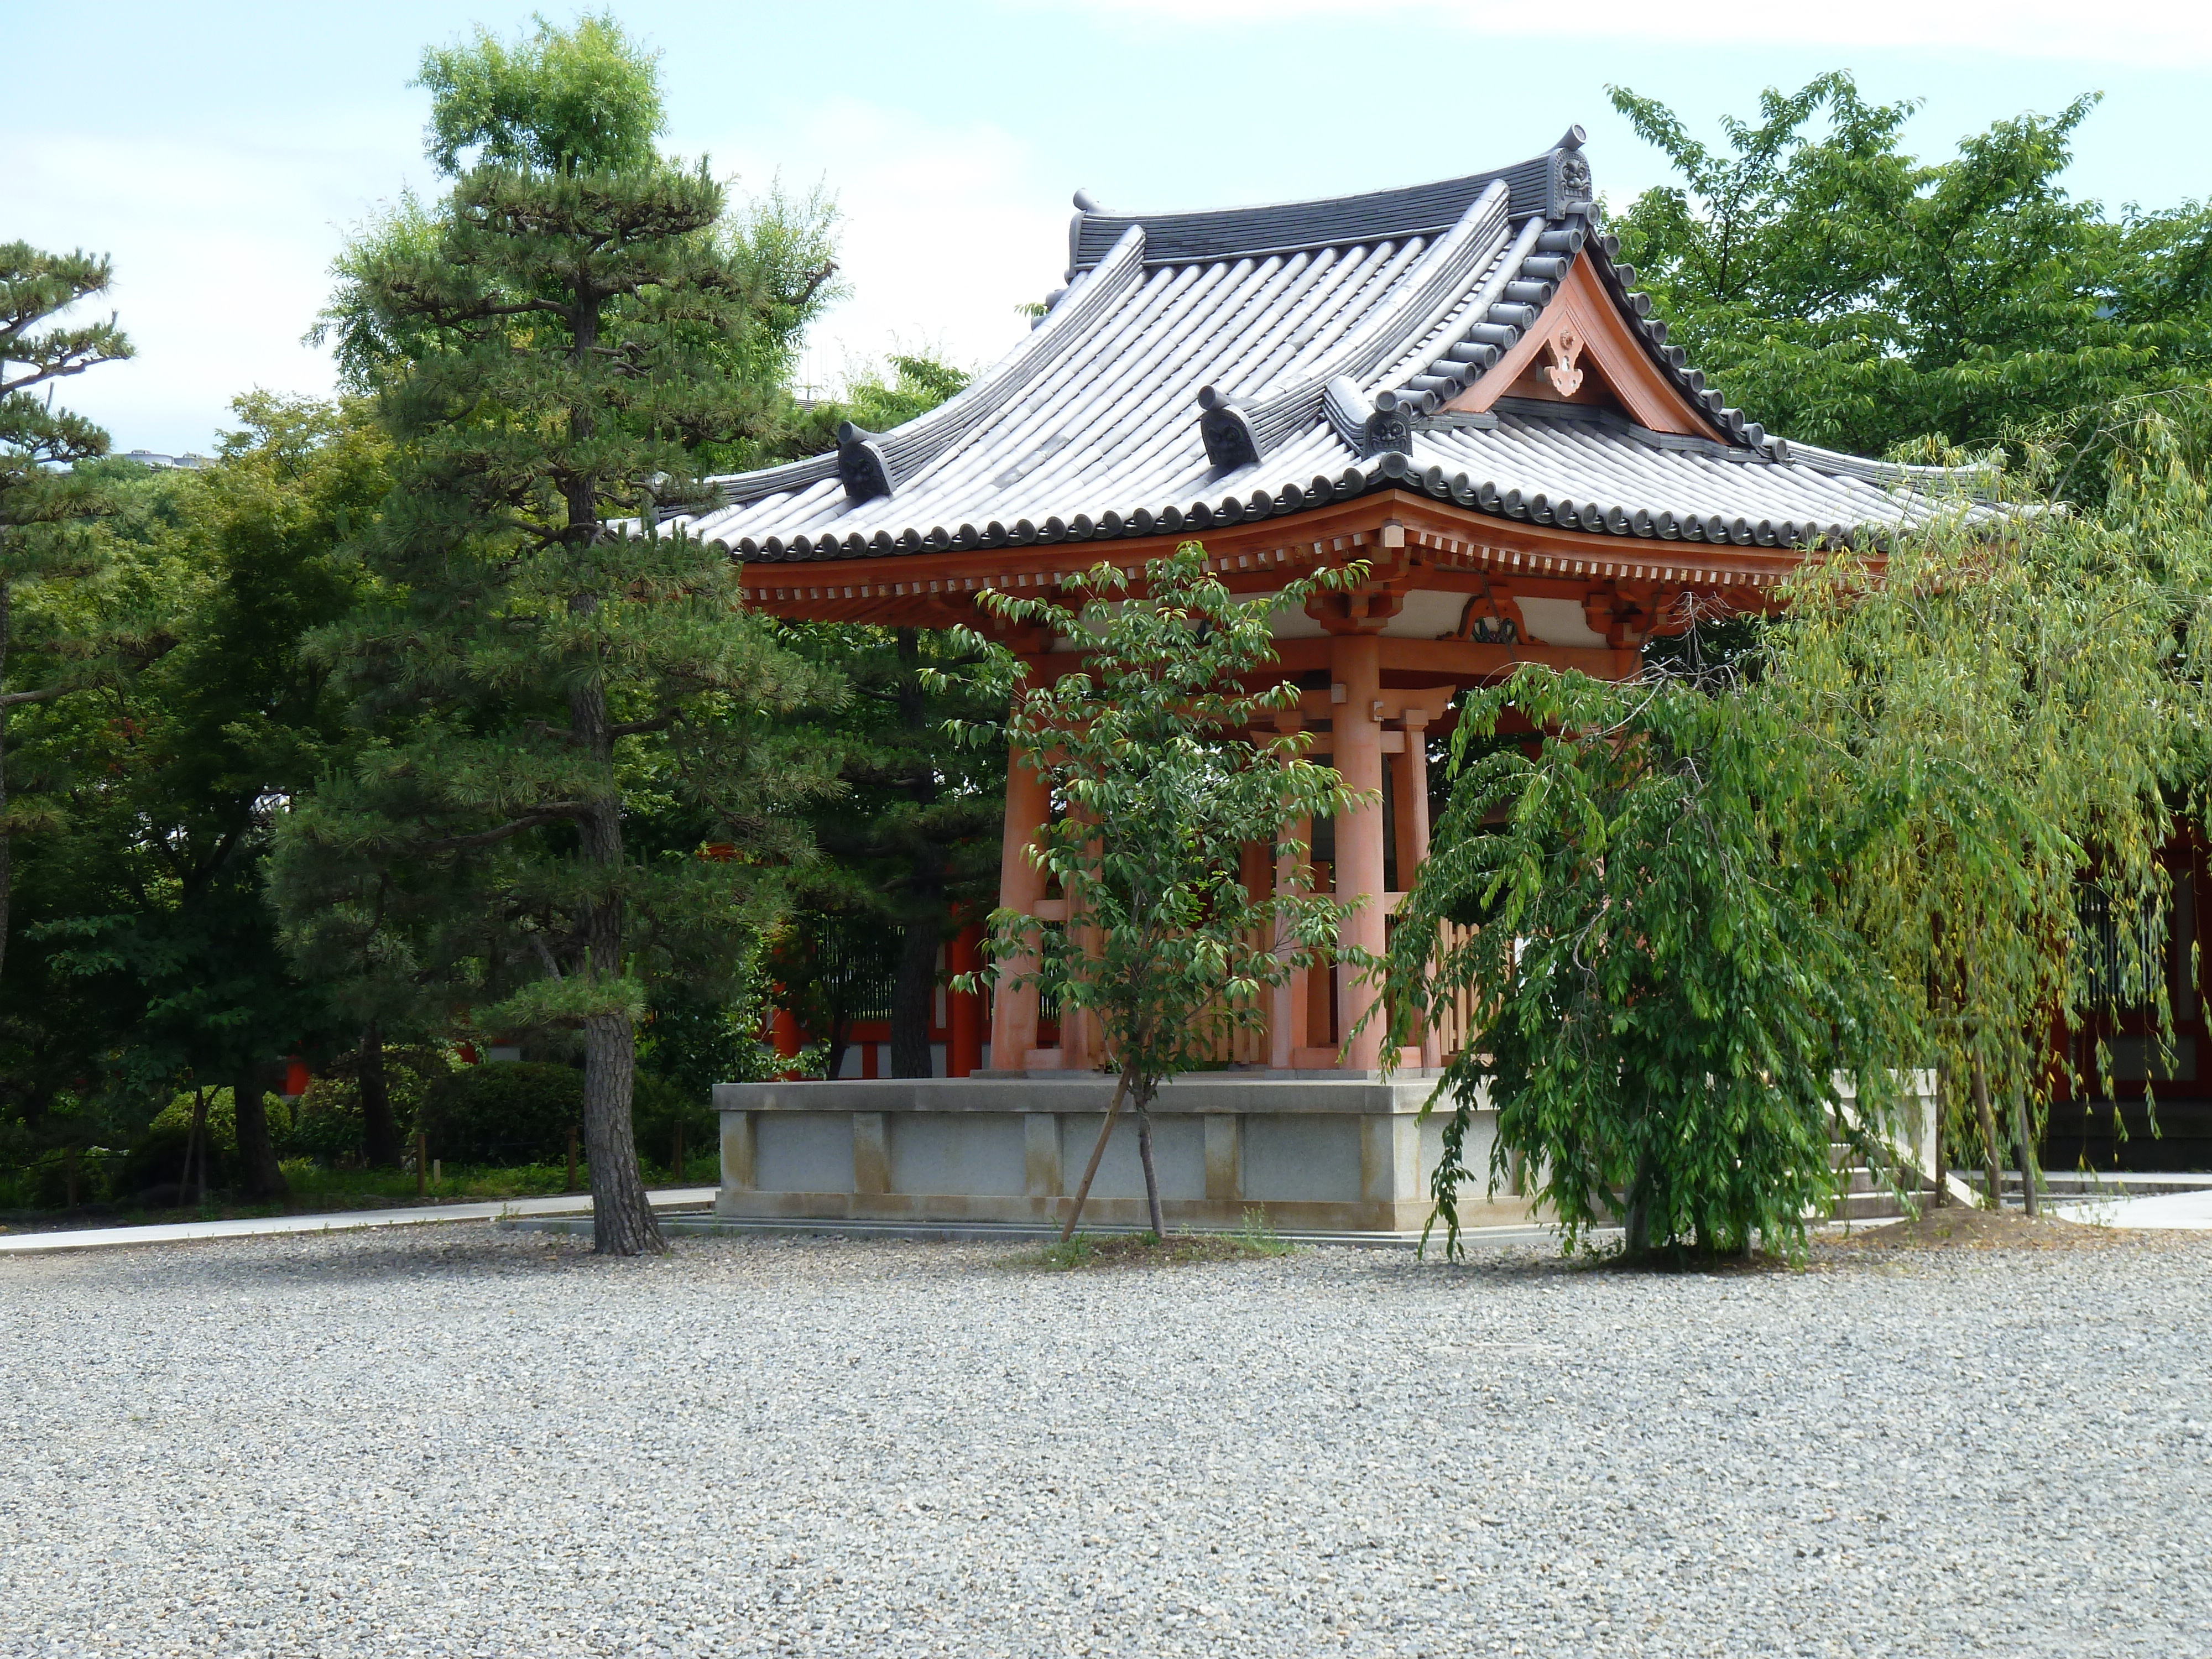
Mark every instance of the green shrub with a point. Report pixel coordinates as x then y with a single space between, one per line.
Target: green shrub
504 1113
156 1159
656 1106
326 1121
223 1117
49 1177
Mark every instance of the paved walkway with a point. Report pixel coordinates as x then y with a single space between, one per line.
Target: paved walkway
2190 1210
93 1238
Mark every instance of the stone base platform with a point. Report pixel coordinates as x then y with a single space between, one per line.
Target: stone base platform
1341 1154
1490 1234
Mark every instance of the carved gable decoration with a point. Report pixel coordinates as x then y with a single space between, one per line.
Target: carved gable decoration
1582 350
1560 352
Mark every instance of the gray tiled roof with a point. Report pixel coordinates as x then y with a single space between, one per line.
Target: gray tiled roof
1204 369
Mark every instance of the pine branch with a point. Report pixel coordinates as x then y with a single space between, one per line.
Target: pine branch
660 722
538 820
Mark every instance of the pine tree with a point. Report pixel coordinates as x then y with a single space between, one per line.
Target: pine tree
910 847
40 504
541 663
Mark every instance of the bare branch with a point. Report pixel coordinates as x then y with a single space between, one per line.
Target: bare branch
660 722
552 813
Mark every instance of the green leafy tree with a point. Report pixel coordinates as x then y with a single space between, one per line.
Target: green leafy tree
1847 293
2028 712
540 665
910 844
561 102
1148 751
74 837
1668 990
43 500
197 753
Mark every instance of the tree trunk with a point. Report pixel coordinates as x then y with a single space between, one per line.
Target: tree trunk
196 1137
185 1172
1145 1154
381 1145
1636 1244
2025 1150
622 1222
1098 1152
6 872
1992 1164
914 991
260 1174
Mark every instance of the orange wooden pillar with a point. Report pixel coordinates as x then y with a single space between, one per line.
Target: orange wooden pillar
1356 660
1409 787
1409 784
963 1049
786 1037
1287 1018
1021 887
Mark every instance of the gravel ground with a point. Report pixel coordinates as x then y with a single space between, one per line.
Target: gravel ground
460 1442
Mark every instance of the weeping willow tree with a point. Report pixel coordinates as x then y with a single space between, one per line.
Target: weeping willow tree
2014 715
1859 848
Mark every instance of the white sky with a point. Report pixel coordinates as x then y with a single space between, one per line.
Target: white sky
225 149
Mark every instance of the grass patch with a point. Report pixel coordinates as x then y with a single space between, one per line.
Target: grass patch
1253 1239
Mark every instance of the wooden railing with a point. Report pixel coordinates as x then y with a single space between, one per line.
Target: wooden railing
1457 1022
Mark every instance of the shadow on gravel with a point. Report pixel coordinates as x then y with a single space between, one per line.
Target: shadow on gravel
351 1257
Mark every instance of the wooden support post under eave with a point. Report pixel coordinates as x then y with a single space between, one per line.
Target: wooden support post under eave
1357 667
1021 886
963 1051
1082 1041
1286 1017
1412 787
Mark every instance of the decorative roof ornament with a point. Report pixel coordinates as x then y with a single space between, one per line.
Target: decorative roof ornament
1225 426
1386 425
1571 188
861 467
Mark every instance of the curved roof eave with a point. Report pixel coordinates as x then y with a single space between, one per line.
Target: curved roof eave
1300 448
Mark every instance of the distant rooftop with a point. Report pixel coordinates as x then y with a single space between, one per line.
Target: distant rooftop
148 457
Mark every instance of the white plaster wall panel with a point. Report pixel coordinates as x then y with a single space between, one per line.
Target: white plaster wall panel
1286 622
1427 616
1178 1156
1558 622
967 1154
1303 1157
803 1153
